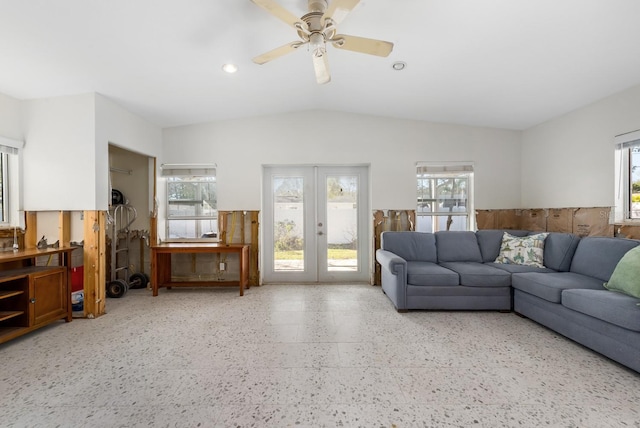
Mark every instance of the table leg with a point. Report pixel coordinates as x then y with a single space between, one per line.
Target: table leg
241 279
154 272
244 269
160 270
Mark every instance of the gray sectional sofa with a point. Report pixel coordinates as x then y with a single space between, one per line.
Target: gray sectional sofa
457 271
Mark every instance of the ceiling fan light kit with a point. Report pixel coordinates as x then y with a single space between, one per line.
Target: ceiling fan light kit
230 68
318 28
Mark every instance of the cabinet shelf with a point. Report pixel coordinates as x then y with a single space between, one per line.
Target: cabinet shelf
5 294
5 315
9 276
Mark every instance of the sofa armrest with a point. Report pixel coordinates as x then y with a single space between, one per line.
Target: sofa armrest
394 277
391 261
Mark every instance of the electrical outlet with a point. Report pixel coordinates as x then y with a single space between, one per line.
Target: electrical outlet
223 265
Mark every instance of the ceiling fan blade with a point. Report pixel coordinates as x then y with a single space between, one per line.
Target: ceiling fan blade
339 9
321 67
277 52
363 45
279 12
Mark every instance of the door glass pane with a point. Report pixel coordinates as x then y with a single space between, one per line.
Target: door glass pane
288 223
342 223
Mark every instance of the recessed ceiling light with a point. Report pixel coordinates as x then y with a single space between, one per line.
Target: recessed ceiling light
230 68
399 65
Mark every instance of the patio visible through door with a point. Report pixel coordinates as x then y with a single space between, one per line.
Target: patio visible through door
315 224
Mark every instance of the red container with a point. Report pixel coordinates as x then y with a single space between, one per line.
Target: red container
77 278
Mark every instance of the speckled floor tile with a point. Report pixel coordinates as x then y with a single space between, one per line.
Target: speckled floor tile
345 385
305 356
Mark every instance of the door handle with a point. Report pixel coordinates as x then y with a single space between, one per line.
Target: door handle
321 233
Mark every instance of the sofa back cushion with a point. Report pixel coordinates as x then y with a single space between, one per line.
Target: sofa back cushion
559 249
458 246
489 241
598 256
411 246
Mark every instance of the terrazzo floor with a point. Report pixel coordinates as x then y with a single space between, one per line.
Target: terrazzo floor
305 355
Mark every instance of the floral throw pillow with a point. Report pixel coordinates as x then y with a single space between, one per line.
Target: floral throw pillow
526 250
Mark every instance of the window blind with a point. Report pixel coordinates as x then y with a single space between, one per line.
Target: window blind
188 170
628 140
444 168
10 146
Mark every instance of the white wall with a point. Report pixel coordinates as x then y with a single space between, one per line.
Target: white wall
11 118
59 154
390 146
117 126
569 161
66 154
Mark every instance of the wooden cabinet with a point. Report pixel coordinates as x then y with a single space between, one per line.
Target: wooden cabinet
33 296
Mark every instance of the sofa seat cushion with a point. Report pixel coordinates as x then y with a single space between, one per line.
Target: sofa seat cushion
518 268
610 306
473 274
549 286
427 273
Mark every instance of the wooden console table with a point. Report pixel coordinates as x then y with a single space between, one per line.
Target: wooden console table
161 264
33 296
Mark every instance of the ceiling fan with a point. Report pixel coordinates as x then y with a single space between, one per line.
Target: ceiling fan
317 29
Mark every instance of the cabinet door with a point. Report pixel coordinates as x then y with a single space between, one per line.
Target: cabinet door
48 296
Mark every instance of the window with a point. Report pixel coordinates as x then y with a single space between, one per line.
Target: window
192 211
627 177
10 200
4 190
444 197
634 182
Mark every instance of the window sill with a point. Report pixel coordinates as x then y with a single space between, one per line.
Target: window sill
628 223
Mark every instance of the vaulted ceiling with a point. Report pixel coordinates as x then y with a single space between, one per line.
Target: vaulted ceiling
498 63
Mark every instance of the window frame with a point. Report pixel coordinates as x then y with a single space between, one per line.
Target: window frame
444 171
5 194
629 183
11 153
624 145
195 174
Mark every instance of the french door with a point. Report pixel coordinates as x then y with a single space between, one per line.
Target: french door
315 224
